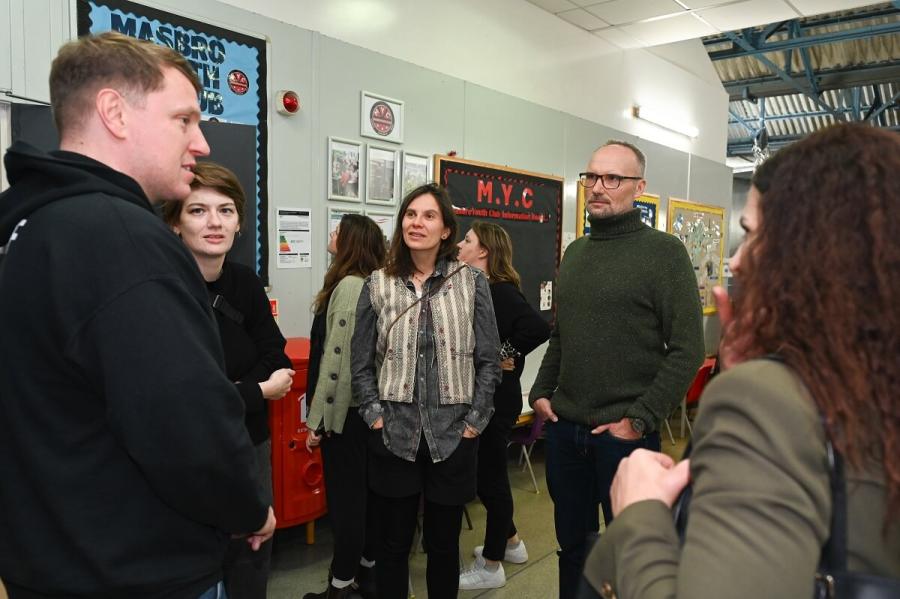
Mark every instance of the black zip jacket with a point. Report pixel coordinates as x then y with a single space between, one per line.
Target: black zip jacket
124 458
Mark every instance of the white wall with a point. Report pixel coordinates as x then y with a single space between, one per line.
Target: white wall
516 48
442 112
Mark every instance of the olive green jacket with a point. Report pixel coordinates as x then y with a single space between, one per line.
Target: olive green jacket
761 507
333 394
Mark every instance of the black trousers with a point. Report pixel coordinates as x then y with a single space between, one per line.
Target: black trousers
447 486
493 485
441 525
246 572
350 502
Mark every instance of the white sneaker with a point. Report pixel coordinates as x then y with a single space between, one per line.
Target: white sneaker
519 555
478 577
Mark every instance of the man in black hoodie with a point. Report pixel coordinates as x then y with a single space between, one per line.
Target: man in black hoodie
124 457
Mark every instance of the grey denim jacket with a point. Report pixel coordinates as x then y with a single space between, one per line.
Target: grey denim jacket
442 425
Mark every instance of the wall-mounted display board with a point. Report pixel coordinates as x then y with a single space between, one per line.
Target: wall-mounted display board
527 205
702 230
232 70
647 203
231 145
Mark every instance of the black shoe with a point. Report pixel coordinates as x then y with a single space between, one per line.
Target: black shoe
365 582
331 593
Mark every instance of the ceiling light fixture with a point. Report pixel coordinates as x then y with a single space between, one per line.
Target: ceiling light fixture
663 120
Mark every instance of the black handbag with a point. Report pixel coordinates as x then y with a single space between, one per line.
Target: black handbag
833 580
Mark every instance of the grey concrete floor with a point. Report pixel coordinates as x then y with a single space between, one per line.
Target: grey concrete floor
298 568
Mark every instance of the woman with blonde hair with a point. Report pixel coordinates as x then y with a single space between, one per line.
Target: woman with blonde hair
521 328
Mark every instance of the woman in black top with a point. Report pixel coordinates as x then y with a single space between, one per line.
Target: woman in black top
208 222
488 247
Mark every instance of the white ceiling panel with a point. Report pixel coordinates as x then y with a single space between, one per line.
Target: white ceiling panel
695 4
589 2
618 12
554 6
748 14
616 36
583 19
811 8
665 31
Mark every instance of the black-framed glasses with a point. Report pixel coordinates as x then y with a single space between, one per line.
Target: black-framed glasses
609 181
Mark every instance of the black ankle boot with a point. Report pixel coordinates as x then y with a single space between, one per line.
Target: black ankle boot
365 582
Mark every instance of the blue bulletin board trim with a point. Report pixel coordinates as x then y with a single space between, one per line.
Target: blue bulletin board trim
231 67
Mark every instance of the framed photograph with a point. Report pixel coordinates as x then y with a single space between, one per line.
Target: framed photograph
336 213
415 172
648 204
344 174
386 221
383 175
381 117
701 229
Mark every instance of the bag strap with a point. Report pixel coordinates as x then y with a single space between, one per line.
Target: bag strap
834 552
218 302
431 292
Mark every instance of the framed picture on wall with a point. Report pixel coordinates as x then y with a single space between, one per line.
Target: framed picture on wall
336 213
344 173
415 172
386 221
383 175
381 117
701 229
648 204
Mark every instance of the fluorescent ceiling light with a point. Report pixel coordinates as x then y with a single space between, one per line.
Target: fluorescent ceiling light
663 120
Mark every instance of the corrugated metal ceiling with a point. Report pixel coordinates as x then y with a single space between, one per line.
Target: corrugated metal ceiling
850 78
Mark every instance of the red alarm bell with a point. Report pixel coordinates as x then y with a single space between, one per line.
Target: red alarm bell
287 102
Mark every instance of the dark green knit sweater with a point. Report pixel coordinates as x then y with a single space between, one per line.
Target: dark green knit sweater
628 338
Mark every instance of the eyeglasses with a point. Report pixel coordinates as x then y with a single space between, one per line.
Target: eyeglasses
588 180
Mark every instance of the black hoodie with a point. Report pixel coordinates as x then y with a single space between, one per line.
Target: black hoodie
124 459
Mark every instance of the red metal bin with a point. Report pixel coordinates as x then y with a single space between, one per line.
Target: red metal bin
298 484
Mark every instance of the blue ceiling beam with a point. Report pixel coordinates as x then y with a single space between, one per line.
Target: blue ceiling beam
809 23
808 92
856 99
744 145
889 104
805 41
738 120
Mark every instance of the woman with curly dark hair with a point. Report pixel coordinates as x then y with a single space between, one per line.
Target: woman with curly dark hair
814 342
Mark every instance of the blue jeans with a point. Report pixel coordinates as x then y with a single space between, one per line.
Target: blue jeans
216 591
580 469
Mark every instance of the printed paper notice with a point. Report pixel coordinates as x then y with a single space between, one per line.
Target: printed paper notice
294 238
546 295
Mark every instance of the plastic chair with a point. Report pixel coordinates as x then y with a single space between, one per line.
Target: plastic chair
692 397
526 437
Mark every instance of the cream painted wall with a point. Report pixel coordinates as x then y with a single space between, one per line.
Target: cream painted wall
516 48
443 112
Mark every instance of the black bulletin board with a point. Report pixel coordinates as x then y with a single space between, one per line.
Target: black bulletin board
527 205
231 145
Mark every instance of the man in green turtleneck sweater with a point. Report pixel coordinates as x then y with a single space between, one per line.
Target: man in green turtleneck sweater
628 341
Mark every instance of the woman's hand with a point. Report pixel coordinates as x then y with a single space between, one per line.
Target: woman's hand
508 364
278 384
469 432
312 440
648 475
379 424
